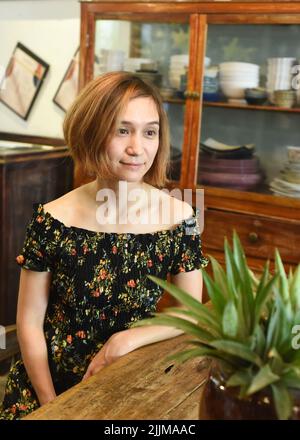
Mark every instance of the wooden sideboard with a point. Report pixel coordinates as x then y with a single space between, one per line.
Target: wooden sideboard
27 175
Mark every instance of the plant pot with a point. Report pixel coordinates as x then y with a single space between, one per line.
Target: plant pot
219 402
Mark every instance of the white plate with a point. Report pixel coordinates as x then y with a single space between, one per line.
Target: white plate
284 184
216 145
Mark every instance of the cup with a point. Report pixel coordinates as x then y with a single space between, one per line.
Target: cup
284 98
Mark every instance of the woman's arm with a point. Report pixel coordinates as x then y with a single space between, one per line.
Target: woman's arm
32 305
126 341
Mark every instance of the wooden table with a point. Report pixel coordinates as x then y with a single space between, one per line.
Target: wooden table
143 385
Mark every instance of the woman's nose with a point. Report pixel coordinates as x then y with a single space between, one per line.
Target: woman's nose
134 146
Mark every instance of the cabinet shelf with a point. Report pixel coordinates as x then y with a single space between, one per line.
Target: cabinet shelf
174 100
251 107
271 108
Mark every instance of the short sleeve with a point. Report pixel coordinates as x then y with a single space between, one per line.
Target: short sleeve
38 253
187 250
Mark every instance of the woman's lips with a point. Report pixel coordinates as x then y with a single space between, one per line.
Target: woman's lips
132 165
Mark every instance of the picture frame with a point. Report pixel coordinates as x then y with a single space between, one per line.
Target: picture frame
68 88
23 80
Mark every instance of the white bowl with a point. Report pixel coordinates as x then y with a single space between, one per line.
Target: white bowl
239 84
238 77
233 65
207 62
233 91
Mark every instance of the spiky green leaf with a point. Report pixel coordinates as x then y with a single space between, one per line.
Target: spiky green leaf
295 289
215 293
240 378
219 277
263 378
230 320
282 401
238 350
233 279
274 326
190 315
284 287
241 263
187 300
259 342
263 294
291 377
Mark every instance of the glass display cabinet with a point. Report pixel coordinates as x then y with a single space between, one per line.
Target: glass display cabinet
228 74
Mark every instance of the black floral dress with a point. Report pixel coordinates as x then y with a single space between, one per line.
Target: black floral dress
99 286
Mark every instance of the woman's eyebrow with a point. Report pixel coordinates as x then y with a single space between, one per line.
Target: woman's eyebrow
131 123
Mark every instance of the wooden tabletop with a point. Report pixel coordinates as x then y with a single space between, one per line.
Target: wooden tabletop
142 385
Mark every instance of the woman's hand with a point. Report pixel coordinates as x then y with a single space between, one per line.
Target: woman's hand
46 399
116 346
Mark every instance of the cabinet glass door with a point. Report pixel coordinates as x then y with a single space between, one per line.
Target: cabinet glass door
157 52
251 109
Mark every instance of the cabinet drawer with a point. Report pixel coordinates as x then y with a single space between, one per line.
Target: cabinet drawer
259 236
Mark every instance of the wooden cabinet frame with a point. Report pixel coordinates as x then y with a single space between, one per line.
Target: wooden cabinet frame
199 14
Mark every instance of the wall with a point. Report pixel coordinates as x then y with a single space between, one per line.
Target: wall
50 29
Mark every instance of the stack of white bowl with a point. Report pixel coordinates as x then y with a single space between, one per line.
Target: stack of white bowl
134 64
288 182
235 77
109 60
178 66
279 75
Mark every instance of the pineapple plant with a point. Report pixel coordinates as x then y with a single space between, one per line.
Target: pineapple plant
248 331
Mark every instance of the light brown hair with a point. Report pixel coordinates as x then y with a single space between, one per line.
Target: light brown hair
91 120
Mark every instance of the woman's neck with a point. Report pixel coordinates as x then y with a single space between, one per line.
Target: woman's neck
119 201
118 187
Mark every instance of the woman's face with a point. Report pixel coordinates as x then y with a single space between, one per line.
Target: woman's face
134 144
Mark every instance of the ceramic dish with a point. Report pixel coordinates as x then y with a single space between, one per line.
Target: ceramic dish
291 177
230 179
208 160
228 169
220 146
286 185
294 154
240 153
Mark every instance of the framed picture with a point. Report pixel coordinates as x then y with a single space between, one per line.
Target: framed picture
68 88
24 77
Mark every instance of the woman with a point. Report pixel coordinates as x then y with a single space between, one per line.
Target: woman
84 273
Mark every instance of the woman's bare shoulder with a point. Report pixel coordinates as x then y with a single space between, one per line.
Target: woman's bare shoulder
179 209
67 208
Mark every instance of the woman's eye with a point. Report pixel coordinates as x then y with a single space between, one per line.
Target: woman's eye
122 131
151 133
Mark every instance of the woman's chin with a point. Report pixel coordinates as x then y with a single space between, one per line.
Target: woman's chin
132 175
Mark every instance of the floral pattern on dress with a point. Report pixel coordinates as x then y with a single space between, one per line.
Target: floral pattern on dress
99 286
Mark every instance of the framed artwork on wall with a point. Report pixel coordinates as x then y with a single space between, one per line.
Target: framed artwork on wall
23 79
68 88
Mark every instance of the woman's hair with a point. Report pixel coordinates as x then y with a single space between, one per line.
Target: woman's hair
91 120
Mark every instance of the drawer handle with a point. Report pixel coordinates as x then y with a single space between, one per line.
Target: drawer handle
253 237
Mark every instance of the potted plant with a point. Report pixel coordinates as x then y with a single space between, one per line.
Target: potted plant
248 333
